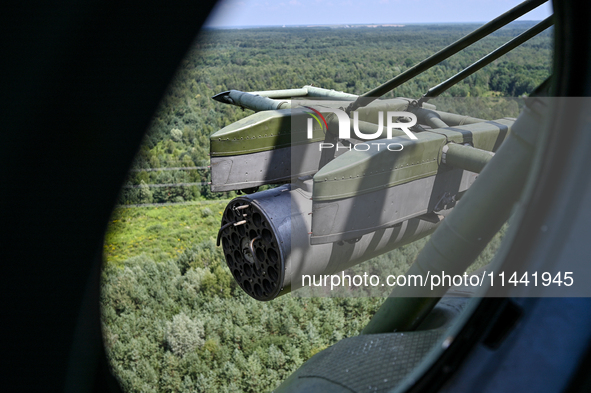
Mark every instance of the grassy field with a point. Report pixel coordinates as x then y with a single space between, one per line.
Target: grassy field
163 232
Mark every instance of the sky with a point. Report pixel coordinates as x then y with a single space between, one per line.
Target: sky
235 13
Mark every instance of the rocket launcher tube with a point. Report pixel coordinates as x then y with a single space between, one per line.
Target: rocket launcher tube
270 253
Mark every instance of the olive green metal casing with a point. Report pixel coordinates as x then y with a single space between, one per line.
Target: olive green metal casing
359 171
362 191
258 149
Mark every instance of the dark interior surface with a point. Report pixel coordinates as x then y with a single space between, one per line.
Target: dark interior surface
80 82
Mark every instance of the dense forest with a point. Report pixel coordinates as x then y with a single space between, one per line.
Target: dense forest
175 321
173 318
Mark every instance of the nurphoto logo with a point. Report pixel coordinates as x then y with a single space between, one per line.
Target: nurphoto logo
392 122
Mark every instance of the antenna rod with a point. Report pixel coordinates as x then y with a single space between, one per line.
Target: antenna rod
486 60
443 54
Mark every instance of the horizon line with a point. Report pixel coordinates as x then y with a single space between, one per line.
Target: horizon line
384 24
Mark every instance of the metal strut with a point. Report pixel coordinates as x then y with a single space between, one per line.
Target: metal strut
486 60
